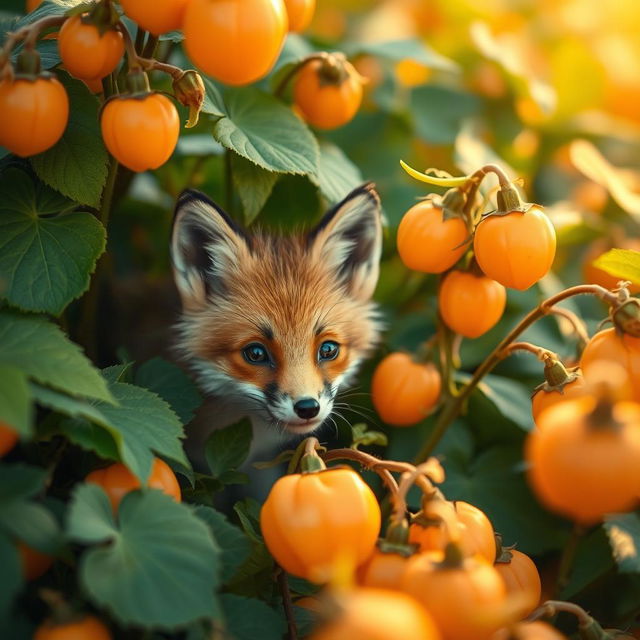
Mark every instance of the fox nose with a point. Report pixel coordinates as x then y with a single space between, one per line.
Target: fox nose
307 408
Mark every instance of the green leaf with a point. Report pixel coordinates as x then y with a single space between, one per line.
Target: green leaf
172 384
12 579
40 350
226 449
438 112
621 263
77 165
47 252
159 568
33 524
213 103
510 398
19 481
624 537
253 184
66 405
21 518
337 175
398 50
261 129
592 561
235 546
15 400
494 482
248 618
142 424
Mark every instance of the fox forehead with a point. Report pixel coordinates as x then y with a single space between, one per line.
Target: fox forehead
282 295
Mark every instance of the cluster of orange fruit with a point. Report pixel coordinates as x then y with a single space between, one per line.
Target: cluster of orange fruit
443 576
236 42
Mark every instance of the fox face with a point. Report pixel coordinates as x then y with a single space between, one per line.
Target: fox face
275 325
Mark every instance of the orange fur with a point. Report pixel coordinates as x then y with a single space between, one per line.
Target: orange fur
287 294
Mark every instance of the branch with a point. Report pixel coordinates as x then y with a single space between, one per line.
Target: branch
452 409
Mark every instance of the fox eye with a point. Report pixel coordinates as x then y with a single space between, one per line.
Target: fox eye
255 353
328 350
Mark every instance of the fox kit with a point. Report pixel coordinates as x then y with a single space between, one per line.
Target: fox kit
272 326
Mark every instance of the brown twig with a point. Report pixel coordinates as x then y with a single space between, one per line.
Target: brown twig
539 352
578 326
282 85
553 607
452 409
283 582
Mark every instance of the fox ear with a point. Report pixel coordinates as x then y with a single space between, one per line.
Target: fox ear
206 247
349 240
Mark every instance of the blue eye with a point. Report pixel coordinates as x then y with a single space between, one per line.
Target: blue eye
328 350
255 353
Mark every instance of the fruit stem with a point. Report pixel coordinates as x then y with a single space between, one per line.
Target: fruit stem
311 462
88 317
445 345
454 406
382 467
29 34
150 46
539 352
418 475
553 607
287 605
132 57
567 558
579 326
140 36
282 85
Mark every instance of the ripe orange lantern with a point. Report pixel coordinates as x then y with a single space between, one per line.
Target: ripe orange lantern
383 569
140 129
520 575
8 438
156 16
429 241
623 349
87 53
476 533
34 563
86 628
235 41
378 614
328 92
585 458
470 304
404 392
465 596
300 13
517 247
314 523
117 481
34 108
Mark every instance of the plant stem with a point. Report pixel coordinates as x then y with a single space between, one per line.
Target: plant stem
553 607
228 181
539 352
282 85
140 36
567 558
87 325
578 326
150 46
287 604
133 61
453 406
